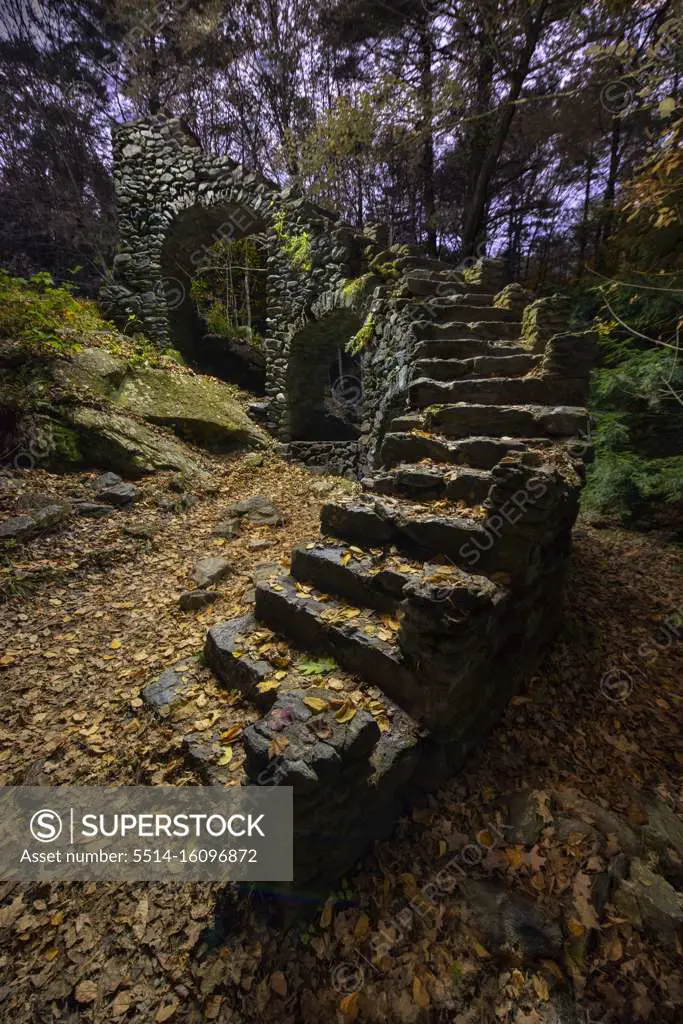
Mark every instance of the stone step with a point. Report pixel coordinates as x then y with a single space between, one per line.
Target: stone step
494 391
411 527
447 309
466 348
467 485
478 329
465 420
476 452
366 578
478 368
360 640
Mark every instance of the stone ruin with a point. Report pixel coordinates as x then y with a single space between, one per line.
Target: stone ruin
437 588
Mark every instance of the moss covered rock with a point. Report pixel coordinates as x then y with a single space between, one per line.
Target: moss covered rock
99 437
198 409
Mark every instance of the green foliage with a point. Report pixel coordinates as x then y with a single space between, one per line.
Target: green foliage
296 247
321 666
363 338
638 416
356 287
230 291
41 318
65 442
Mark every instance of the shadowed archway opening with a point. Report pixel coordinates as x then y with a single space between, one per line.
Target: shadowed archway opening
214 282
324 383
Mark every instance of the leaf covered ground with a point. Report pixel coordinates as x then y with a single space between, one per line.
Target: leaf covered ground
91 615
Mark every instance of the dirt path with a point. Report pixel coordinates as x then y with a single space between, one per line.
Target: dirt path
93 615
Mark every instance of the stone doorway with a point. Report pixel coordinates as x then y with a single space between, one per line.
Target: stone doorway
324 382
214 286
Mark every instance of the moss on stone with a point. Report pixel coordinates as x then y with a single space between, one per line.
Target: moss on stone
363 338
65 444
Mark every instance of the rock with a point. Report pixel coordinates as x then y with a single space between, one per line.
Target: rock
103 438
605 821
648 901
140 531
504 918
258 510
17 528
92 369
163 690
260 545
92 510
210 570
521 813
196 600
663 832
230 529
253 459
30 500
120 495
106 480
52 515
197 408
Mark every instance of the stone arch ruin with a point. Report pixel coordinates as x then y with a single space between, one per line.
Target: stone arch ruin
437 585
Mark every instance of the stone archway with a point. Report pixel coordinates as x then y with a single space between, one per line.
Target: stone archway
188 255
324 383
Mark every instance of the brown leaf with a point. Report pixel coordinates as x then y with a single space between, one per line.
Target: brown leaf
349 1006
420 995
85 992
278 983
166 1011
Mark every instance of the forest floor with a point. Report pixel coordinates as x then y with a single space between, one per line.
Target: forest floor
91 615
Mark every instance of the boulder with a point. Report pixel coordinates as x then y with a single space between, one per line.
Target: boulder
106 480
229 529
17 528
99 437
511 923
649 902
120 495
198 409
258 510
92 370
210 570
93 510
196 600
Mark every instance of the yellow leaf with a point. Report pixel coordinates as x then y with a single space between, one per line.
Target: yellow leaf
481 951
540 987
443 847
226 756
280 675
409 885
575 928
346 713
362 926
115 645
51 953
351 613
326 916
515 858
231 734
267 685
420 996
349 1006
316 703
345 559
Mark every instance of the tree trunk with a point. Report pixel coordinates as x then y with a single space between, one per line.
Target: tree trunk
427 127
474 228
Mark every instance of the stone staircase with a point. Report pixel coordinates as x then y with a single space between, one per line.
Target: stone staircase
433 591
